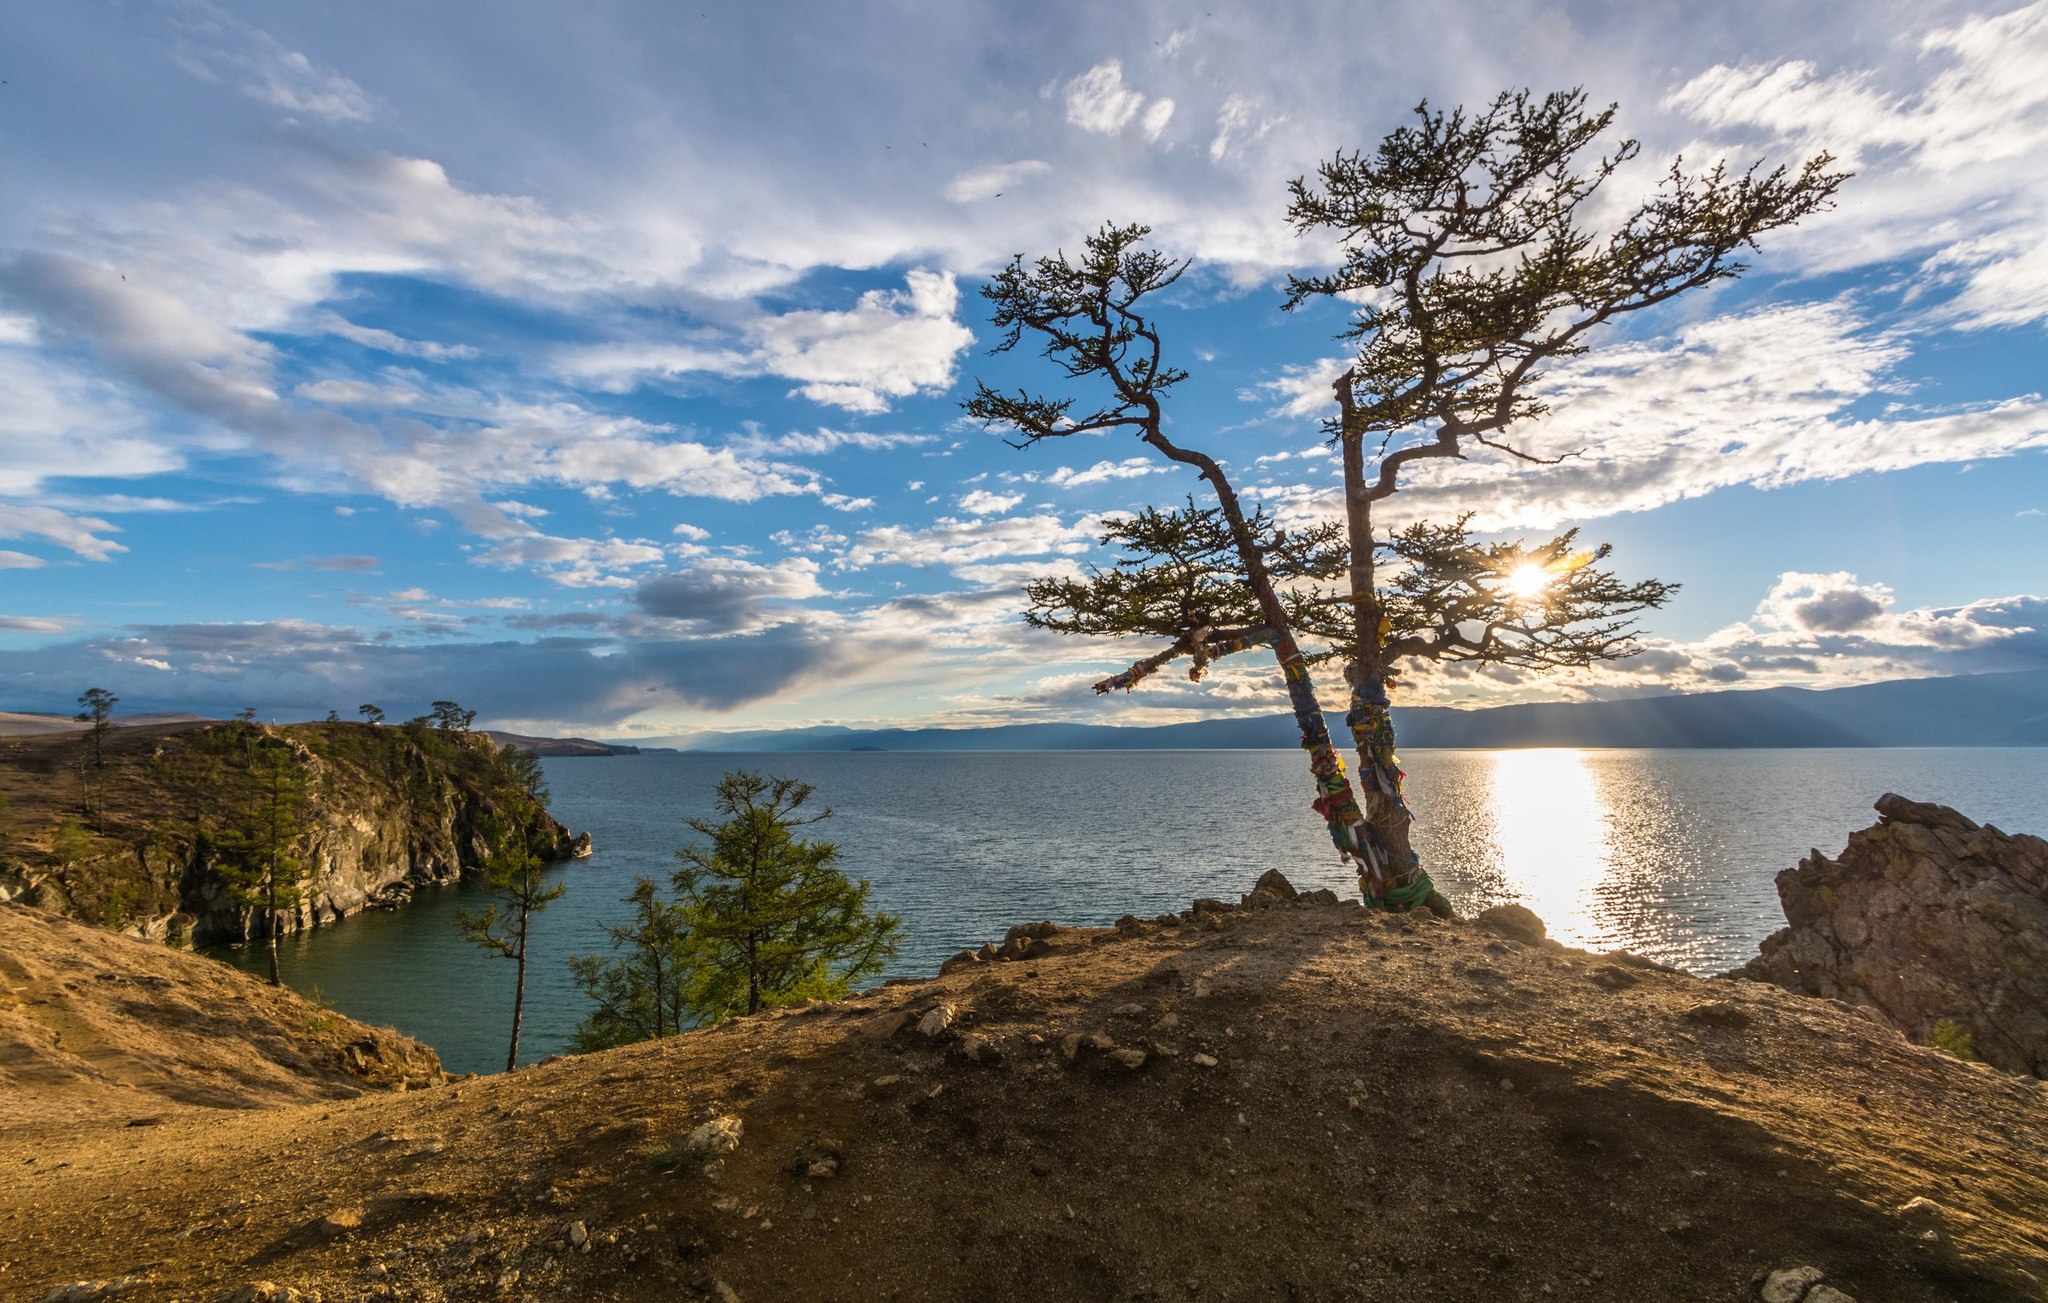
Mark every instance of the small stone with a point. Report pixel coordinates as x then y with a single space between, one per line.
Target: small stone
723 1292
978 1048
1203 1060
965 959
1169 1021
1132 1059
1718 1013
883 1026
988 952
721 1135
1790 1284
936 1020
1070 1046
339 1224
1514 922
1129 1009
725 1203
1507 1085
822 1169
1613 977
1828 1294
579 1234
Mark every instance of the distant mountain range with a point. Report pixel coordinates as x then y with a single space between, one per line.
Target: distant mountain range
1968 710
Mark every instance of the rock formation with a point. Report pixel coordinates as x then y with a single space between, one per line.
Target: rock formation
1936 923
391 809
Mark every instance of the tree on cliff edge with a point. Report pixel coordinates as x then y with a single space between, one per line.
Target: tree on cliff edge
516 798
261 865
96 711
1465 237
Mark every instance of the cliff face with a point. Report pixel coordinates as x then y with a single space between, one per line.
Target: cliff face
1934 922
386 811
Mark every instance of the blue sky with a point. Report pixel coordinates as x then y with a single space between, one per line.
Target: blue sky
600 365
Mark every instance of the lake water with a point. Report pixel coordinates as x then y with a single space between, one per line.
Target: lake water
1667 853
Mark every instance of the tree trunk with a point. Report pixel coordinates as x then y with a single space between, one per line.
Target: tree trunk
270 922
518 991
1393 877
1335 800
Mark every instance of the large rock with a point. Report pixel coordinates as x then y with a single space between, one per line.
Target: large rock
1926 918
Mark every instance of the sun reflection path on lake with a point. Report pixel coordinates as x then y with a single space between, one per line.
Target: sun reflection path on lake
1552 829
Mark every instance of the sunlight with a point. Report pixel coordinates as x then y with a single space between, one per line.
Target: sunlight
1552 829
1527 580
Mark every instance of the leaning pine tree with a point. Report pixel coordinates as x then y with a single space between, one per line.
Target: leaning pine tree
1467 238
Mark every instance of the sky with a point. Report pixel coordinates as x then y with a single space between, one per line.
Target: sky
600 366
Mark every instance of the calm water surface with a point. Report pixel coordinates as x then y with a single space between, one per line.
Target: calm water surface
1667 853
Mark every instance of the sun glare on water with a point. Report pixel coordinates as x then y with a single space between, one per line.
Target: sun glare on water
1552 827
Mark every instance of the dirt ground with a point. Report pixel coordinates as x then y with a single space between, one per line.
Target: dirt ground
1309 1102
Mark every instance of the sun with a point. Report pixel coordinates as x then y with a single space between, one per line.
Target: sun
1527 580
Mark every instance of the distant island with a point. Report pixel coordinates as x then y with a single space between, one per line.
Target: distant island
1965 710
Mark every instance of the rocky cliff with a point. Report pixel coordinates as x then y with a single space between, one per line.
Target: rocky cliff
1931 921
387 810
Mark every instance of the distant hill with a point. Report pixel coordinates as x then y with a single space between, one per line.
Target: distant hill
559 746
22 723
1967 710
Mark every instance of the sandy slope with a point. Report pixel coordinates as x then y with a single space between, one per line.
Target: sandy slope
1397 1109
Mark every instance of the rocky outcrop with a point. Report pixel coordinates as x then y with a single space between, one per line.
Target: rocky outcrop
1936 923
388 811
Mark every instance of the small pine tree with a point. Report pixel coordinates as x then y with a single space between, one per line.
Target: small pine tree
452 718
644 993
262 867
512 872
771 918
371 714
96 710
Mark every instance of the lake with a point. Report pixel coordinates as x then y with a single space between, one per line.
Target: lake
1667 853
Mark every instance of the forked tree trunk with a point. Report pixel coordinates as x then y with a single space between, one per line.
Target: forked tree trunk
1394 877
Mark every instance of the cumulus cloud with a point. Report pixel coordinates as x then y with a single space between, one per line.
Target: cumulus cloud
729 595
890 345
981 502
82 535
1098 100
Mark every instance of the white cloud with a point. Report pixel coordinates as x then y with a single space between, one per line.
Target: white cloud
951 542
221 48
20 561
78 534
30 624
1761 398
385 341
1238 123
1098 100
893 344
889 345
1156 118
573 562
1940 150
1000 178
1067 477
981 502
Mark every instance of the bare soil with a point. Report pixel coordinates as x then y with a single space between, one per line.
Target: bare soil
1306 1102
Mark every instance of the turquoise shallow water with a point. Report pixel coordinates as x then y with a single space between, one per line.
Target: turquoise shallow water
1668 853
